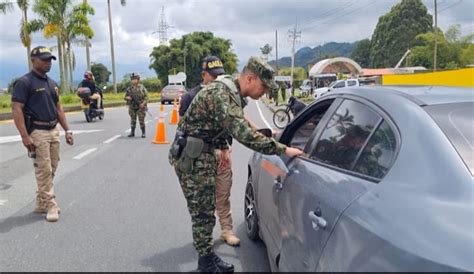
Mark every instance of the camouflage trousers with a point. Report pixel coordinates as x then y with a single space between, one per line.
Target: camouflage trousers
134 112
199 188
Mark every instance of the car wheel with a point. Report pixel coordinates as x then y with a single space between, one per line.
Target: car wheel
251 218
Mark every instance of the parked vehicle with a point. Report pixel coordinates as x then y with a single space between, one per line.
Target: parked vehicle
335 85
385 184
171 92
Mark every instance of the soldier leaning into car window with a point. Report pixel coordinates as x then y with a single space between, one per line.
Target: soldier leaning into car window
216 114
36 112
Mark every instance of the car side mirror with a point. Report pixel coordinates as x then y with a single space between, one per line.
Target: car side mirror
266 131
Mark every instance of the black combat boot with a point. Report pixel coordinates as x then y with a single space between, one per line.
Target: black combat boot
212 263
132 132
143 132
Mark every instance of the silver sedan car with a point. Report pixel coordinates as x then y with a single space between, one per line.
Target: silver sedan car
386 184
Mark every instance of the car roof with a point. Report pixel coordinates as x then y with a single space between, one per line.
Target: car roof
422 95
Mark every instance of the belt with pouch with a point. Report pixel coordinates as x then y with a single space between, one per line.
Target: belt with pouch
44 125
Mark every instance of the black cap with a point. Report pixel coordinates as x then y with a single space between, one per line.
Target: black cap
213 65
42 53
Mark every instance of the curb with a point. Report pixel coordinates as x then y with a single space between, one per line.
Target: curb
9 115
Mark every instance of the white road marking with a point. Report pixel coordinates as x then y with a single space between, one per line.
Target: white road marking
261 115
17 138
85 153
3 202
112 139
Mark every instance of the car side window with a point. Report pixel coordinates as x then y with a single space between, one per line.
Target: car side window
340 85
345 135
309 121
351 83
378 154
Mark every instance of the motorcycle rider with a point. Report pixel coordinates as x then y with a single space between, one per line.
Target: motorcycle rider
96 93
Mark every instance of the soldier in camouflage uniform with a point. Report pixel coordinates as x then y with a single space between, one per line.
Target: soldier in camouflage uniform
137 98
215 115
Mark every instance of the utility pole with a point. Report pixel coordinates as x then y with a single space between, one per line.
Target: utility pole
276 50
435 57
88 56
114 77
293 34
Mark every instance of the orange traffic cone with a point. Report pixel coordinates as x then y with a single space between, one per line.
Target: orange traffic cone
160 135
174 116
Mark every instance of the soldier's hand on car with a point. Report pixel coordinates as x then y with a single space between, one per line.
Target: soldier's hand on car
69 138
292 152
28 143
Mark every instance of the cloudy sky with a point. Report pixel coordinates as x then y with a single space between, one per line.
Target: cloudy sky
249 24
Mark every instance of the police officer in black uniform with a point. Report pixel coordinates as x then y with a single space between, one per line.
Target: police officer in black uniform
36 112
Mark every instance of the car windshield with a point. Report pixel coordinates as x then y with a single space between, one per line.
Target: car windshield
333 84
457 122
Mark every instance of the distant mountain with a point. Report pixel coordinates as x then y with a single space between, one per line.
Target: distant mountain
310 56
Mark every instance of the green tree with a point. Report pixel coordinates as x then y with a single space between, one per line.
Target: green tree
101 73
299 74
6 6
454 50
193 47
25 36
361 53
396 31
64 20
266 50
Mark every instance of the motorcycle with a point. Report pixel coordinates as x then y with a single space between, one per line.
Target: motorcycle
89 106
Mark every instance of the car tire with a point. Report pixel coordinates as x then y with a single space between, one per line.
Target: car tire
250 212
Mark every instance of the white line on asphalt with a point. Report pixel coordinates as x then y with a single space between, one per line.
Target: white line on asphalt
85 153
261 115
17 138
3 202
112 139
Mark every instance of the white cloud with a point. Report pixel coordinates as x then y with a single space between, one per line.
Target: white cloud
248 24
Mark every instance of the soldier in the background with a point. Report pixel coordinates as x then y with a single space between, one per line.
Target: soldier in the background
215 115
282 86
137 98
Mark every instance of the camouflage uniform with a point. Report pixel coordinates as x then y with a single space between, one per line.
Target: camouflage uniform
216 109
140 94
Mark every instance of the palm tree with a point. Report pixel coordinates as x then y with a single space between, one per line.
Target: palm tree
65 21
5 6
114 77
25 36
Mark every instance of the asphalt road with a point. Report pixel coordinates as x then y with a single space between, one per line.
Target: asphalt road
121 205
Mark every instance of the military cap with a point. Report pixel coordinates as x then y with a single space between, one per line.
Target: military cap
213 65
264 71
134 75
42 53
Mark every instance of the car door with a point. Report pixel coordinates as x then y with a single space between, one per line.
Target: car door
274 169
319 187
